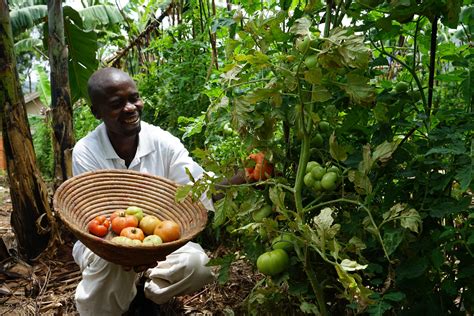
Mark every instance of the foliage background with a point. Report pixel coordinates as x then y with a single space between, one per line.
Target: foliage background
393 80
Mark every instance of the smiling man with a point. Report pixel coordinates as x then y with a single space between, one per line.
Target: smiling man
123 141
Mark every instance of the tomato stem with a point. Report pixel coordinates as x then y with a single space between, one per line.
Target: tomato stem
304 157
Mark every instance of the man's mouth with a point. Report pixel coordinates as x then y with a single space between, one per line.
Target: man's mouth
132 120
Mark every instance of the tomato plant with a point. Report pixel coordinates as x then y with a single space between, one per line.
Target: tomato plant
99 226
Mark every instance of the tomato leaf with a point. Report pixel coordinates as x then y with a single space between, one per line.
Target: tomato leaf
337 151
350 265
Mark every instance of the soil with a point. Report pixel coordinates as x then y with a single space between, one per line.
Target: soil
46 285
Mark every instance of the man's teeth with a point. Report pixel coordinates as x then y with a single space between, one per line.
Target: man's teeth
131 120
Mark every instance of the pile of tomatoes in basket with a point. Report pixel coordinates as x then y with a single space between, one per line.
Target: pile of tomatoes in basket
132 227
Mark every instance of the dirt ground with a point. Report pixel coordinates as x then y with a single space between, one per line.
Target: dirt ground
46 286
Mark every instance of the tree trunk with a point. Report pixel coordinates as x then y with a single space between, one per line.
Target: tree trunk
28 191
61 108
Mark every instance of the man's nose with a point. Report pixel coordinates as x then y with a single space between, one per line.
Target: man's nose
129 107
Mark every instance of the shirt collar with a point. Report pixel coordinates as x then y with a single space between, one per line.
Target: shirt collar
145 145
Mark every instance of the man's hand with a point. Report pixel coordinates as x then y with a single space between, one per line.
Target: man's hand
139 269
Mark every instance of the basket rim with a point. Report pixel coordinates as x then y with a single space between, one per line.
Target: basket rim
79 232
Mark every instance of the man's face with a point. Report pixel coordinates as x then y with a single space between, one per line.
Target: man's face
120 107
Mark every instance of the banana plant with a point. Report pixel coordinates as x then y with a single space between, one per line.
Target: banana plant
81 28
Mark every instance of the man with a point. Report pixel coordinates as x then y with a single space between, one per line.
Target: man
123 141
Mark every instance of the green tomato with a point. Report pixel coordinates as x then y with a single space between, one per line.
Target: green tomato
125 241
310 165
152 240
311 61
135 211
401 87
334 169
302 45
317 140
318 172
317 186
328 182
273 262
284 241
260 214
324 126
308 180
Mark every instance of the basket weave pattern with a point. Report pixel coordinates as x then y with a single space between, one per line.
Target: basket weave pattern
79 199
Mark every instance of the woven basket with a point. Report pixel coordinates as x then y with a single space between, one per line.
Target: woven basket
79 199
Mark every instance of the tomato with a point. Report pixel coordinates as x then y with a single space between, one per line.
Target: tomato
99 226
122 240
260 214
148 224
302 44
308 180
317 186
311 61
334 169
122 220
135 211
318 172
132 233
328 182
317 140
310 165
401 87
168 230
284 241
324 126
262 169
152 240
273 262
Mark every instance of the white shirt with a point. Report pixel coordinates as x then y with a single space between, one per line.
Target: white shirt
158 153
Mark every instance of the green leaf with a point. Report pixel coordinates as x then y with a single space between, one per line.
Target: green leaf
361 181
412 268
465 176
309 308
82 58
27 17
182 192
337 151
27 45
225 265
324 225
301 26
448 206
358 89
470 240
392 239
384 151
411 220
350 265
100 15
394 296
43 86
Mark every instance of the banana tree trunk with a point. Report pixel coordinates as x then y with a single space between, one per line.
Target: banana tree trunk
61 108
28 191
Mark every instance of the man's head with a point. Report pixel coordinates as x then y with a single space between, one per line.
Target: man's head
115 100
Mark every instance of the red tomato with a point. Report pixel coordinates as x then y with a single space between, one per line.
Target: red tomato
262 169
99 226
132 233
168 231
122 220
